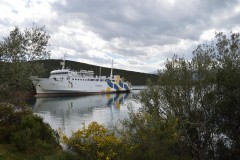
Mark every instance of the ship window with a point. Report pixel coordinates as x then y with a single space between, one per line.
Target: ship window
73 79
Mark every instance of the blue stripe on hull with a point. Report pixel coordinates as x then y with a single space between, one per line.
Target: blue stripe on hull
126 86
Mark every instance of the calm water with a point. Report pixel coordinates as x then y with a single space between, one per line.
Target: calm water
69 113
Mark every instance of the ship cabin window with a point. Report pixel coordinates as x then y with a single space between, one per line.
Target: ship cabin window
59 73
72 78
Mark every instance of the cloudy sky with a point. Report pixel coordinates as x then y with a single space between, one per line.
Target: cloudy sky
138 34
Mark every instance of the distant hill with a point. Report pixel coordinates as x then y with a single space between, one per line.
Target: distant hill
136 78
154 72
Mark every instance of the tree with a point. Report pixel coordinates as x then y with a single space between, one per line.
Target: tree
18 53
25 46
202 96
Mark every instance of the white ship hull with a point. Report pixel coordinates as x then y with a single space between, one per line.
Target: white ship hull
50 86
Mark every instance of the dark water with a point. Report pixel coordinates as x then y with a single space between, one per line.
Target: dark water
69 113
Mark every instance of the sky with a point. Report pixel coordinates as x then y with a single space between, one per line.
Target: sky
139 35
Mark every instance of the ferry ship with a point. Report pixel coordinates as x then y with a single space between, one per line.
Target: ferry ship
65 81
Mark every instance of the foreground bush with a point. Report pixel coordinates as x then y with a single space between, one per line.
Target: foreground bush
23 131
148 135
93 142
203 94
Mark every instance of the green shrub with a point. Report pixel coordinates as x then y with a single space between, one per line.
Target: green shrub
26 131
93 142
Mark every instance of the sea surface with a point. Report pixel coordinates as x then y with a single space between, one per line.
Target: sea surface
70 113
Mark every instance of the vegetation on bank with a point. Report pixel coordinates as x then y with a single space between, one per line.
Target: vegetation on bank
191 112
24 135
17 49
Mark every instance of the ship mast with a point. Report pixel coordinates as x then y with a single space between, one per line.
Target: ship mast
111 75
63 62
100 70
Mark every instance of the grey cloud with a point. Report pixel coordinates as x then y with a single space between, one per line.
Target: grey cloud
138 25
108 18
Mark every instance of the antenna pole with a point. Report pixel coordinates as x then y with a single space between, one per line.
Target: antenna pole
111 71
63 63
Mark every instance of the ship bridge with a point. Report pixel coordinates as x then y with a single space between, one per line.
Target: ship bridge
60 72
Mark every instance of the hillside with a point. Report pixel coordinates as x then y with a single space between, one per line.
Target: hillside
136 78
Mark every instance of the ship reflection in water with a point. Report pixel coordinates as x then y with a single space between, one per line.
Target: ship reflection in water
69 113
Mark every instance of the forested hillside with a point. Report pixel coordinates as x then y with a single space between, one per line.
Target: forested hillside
136 78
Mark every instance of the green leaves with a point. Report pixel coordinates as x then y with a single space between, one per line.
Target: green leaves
25 131
16 51
93 142
202 95
31 44
36 41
